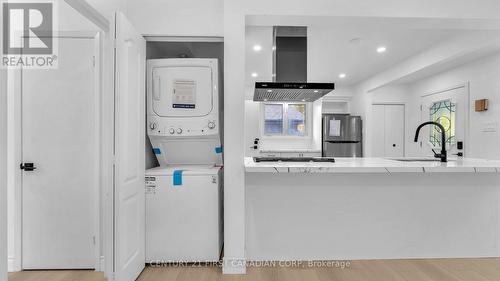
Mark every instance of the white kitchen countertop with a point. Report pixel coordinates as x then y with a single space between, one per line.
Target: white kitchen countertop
375 165
290 150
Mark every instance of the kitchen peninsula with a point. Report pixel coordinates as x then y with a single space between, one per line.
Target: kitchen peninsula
372 208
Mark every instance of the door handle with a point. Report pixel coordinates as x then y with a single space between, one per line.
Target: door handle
27 167
393 145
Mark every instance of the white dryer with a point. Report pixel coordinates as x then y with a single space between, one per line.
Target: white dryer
183 111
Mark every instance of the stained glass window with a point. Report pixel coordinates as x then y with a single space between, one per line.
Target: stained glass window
443 112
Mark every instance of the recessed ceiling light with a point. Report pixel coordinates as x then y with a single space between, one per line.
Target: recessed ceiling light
257 48
303 100
342 75
316 91
381 49
269 91
254 74
265 99
355 40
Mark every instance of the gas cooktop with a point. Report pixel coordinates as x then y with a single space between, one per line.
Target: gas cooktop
294 159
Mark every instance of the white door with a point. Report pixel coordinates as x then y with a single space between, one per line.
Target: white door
388 130
130 79
450 109
59 136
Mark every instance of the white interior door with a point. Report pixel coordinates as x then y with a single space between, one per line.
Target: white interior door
388 130
59 136
130 79
378 129
450 109
394 130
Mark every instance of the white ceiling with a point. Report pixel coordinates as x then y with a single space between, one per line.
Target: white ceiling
331 52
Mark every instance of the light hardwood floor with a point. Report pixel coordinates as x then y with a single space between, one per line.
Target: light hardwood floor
372 270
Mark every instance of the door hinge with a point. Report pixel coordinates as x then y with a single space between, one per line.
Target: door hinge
93 61
93 240
421 107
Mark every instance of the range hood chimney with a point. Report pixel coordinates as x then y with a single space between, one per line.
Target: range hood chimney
291 92
290 70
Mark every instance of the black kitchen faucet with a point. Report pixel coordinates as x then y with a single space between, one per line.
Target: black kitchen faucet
443 155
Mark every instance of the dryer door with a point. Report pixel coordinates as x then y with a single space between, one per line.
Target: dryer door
183 91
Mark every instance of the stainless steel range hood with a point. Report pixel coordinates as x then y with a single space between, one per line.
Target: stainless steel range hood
291 92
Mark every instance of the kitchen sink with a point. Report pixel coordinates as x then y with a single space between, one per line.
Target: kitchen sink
416 159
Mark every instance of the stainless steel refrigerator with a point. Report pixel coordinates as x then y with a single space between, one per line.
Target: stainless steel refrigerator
342 135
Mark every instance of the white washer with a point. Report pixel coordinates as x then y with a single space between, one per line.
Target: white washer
183 219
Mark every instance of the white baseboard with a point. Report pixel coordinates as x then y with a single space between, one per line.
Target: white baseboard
234 266
101 264
11 265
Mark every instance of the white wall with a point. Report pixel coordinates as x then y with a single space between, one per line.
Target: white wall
234 30
107 8
177 18
483 76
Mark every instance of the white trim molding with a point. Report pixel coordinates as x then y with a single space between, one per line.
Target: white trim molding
166 38
89 12
233 265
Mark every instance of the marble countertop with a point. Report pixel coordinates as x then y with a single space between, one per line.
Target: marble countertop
376 165
291 150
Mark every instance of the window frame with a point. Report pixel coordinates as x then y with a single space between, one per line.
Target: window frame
285 135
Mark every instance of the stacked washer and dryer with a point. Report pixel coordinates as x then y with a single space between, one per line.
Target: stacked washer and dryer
184 218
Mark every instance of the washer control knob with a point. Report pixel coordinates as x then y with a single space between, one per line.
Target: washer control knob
211 125
171 131
153 125
179 131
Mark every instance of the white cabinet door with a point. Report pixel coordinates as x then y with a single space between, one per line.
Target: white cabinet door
59 136
394 130
388 134
378 130
130 78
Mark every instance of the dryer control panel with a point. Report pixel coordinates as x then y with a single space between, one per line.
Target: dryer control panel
182 128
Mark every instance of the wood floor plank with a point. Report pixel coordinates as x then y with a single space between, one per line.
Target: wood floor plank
366 270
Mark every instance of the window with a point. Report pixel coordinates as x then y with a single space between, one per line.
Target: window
273 119
296 118
285 119
443 112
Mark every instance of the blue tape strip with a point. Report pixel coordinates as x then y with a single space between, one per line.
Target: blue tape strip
177 177
156 151
218 149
